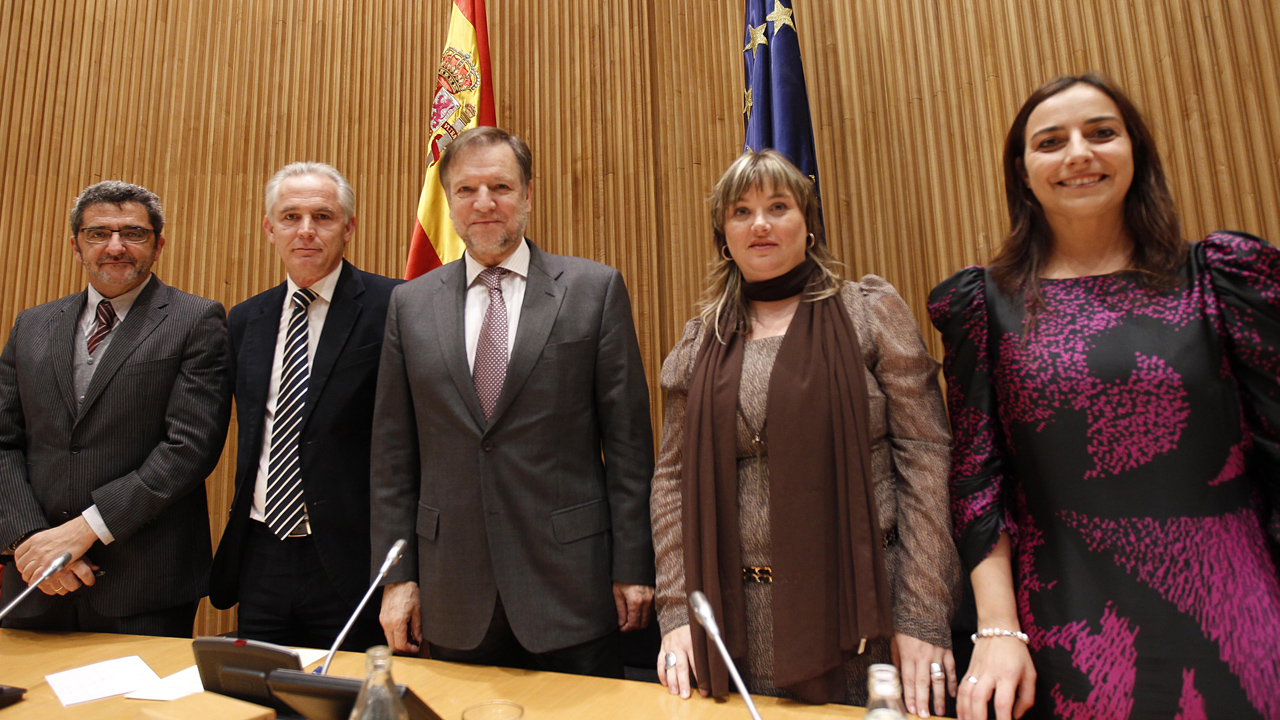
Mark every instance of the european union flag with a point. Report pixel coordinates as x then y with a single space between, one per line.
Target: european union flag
775 104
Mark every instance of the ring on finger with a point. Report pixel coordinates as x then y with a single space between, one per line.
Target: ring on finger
670 660
935 670
973 679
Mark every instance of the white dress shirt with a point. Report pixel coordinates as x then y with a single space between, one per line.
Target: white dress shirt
316 313
89 323
513 285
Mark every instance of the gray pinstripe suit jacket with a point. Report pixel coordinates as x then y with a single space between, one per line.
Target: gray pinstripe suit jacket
150 430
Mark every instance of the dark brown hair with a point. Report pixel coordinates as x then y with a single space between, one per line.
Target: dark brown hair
1149 213
117 192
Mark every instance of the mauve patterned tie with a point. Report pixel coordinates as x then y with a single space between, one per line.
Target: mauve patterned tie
106 321
490 367
285 507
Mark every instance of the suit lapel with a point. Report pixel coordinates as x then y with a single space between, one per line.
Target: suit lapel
338 322
543 294
450 302
62 347
148 311
253 360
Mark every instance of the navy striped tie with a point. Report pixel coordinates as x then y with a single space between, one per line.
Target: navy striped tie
285 507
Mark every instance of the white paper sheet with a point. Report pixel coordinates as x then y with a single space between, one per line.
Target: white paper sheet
310 655
187 681
100 680
178 685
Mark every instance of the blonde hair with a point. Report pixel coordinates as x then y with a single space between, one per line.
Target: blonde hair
752 170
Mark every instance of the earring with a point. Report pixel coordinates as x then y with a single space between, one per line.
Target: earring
812 241
724 253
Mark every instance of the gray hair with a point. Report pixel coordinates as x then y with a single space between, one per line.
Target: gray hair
117 193
346 196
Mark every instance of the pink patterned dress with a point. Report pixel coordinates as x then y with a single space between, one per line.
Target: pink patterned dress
1129 444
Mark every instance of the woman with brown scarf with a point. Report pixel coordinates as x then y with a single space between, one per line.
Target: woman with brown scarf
801 483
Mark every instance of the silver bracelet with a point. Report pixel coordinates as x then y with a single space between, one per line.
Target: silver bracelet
999 632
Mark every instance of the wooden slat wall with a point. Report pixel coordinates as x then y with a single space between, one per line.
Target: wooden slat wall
913 100
632 108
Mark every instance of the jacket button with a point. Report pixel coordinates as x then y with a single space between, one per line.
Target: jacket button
487 446
75 449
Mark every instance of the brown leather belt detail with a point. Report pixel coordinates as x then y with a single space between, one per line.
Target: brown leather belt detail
764 573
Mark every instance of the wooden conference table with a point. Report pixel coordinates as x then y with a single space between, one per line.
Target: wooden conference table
26 657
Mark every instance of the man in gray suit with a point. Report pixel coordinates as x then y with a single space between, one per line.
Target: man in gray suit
111 417
512 442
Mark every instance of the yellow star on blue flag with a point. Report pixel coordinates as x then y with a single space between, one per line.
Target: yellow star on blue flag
780 17
776 104
756 38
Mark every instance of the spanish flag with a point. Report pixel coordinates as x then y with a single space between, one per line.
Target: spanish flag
463 100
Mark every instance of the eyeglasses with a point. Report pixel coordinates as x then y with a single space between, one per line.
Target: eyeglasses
130 234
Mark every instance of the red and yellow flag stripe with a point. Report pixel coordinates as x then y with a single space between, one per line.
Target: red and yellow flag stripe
463 100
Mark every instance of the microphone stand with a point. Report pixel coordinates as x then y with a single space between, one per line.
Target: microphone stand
393 557
58 563
702 611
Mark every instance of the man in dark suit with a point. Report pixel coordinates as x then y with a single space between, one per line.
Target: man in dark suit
111 418
512 441
304 359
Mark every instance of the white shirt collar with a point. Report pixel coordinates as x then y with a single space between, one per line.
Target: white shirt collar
323 287
517 262
121 302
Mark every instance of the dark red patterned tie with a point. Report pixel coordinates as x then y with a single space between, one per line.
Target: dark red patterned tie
106 321
490 367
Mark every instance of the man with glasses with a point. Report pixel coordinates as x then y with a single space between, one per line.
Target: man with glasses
111 417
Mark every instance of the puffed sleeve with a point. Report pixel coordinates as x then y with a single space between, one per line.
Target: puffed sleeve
1244 272
665 500
979 514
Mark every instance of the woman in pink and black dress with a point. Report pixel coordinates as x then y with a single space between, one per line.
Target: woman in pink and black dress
1114 399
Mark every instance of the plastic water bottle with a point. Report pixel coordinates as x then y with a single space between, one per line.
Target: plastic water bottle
884 694
378 699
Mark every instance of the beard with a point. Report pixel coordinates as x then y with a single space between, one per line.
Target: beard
512 234
118 274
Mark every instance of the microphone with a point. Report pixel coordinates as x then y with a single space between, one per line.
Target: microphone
393 557
60 562
702 611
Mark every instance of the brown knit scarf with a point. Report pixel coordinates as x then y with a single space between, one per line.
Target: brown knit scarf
829 585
